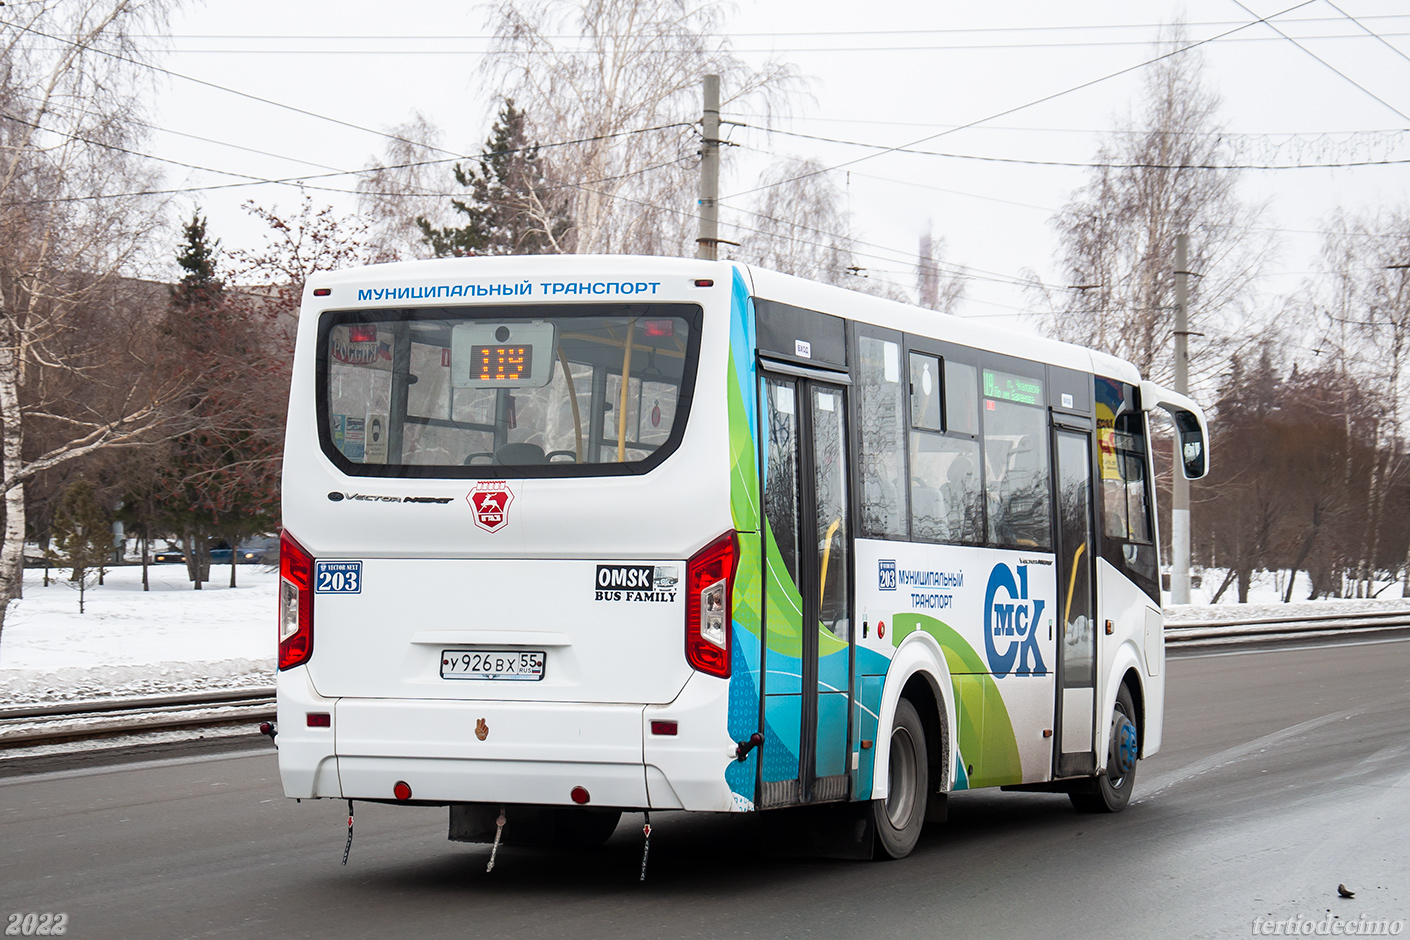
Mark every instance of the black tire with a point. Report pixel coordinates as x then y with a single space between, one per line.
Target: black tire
585 828
1111 791
901 815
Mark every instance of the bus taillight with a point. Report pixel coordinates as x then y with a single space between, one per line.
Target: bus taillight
295 603
709 603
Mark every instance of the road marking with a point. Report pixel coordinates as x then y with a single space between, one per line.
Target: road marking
1239 751
131 765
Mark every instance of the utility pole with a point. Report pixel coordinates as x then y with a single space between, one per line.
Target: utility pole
1180 488
707 245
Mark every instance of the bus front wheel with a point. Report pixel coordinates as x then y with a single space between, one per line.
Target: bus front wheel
901 815
1111 791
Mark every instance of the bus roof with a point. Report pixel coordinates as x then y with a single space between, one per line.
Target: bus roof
770 285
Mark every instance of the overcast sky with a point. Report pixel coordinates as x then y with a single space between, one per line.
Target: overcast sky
884 73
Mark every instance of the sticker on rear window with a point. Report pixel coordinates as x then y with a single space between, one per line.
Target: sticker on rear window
337 577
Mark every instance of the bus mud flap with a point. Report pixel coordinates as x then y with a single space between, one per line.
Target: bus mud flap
831 830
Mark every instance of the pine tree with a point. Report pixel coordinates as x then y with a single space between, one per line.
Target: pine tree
510 197
82 535
200 288
216 481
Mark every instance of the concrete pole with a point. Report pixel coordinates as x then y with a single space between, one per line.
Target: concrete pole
1180 490
708 243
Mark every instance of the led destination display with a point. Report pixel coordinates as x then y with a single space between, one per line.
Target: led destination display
502 363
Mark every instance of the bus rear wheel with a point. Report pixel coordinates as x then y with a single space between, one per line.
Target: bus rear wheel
901 815
1111 791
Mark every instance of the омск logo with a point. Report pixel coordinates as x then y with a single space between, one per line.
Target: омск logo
1011 623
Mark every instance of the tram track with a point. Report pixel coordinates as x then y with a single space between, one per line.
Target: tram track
42 724
55 723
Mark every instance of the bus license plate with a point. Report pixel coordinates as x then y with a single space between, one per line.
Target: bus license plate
492 664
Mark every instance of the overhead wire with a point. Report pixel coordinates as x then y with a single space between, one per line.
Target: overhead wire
907 31
1375 35
1045 98
1090 165
770 50
225 88
1238 135
302 180
1329 65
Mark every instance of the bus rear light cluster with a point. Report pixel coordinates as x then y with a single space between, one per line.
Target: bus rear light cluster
295 603
709 605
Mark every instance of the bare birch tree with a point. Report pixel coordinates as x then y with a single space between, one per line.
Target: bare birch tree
1362 299
66 231
626 93
1163 173
406 184
799 225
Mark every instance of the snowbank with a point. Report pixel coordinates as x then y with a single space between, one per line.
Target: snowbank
1265 599
131 642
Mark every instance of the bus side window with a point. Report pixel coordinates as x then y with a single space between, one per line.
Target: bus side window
1126 526
925 392
1125 498
881 408
961 398
947 502
1016 451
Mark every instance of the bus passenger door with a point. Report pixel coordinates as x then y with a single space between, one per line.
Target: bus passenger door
1077 641
807 607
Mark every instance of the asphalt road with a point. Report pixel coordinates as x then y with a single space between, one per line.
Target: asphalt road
1285 773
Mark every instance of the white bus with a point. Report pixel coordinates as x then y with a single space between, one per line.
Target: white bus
570 536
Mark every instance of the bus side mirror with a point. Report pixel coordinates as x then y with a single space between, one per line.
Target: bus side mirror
1191 430
1193 448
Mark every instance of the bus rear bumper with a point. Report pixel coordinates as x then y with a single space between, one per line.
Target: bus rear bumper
508 752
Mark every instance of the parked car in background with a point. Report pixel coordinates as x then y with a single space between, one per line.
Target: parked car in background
260 550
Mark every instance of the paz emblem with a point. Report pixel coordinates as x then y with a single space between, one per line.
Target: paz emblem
482 730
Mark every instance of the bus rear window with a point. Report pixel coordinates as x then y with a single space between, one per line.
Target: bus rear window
551 390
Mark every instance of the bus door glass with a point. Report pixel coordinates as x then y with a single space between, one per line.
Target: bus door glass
807 673
1077 641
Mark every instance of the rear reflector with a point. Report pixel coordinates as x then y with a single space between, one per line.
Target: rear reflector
320 720
709 605
295 603
580 795
663 727
402 790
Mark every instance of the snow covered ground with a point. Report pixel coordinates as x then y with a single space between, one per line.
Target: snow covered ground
174 639
1265 599
131 642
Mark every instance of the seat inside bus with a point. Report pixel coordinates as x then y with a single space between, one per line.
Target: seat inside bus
518 454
